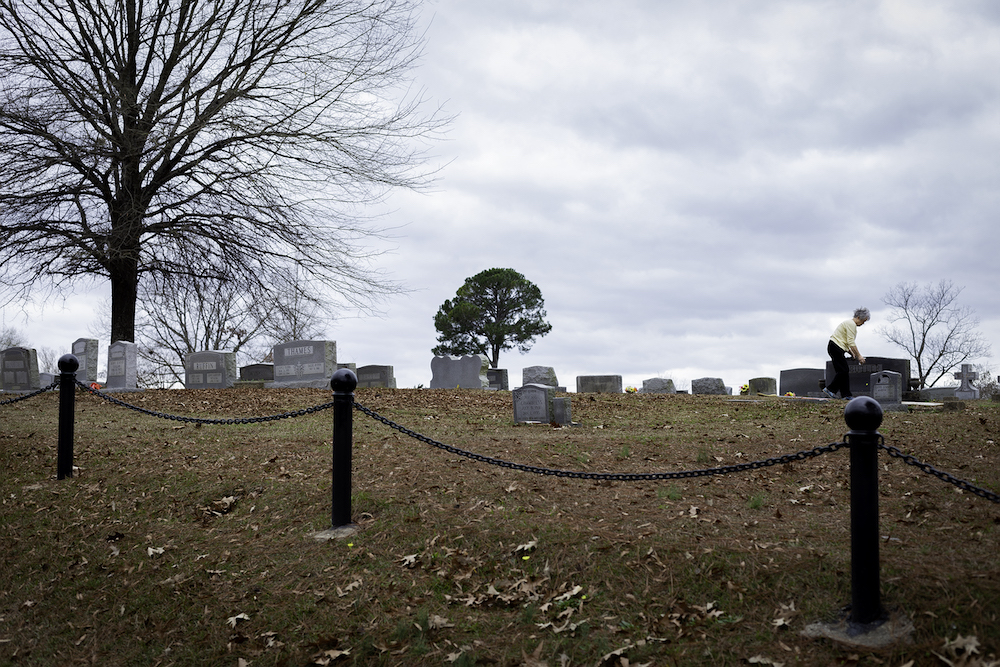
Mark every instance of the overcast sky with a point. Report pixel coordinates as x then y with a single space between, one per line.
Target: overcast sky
698 189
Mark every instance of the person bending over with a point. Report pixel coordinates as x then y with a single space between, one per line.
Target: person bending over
841 343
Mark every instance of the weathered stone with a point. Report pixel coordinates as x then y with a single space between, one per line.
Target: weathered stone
19 369
599 384
658 386
304 363
468 372
376 376
539 375
86 350
765 386
498 379
122 372
708 386
210 369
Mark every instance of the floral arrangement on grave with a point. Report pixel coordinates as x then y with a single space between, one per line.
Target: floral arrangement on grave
744 389
630 390
790 393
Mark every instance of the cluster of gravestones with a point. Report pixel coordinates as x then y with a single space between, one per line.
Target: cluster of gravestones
301 363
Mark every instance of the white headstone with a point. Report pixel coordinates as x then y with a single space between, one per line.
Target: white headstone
85 350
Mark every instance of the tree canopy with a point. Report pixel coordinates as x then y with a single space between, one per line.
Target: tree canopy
214 140
495 310
937 333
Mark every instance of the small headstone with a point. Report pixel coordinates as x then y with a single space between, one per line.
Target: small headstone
965 390
304 363
598 384
19 369
376 376
468 372
887 389
545 375
122 357
562 411
211 369
257 373
658 386
708 386
498 379
765 386
86 350
802 381
533 403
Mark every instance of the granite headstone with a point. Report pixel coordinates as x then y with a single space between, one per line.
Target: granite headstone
19 369
801 381
599 384
304 363
376 376
762 386
211 369
708 386
86 350
658 386
498 379
468 372
122 374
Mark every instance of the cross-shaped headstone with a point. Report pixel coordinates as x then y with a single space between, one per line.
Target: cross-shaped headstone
966 376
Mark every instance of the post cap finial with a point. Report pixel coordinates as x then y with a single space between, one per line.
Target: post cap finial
863 414
68 363
344 380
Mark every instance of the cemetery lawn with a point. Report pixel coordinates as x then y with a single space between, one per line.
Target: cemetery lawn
177 544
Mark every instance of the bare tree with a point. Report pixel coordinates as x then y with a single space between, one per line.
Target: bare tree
937 333
10 337
208 139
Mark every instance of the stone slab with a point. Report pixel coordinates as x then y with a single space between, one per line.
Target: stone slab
468 372
374 375
707 385
658 386
304 363
599 384
122 372
86 350
19 369
210 369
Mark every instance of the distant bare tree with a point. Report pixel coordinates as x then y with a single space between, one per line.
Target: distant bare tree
937 333
213 140
11 337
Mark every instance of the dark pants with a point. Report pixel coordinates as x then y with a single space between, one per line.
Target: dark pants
841 374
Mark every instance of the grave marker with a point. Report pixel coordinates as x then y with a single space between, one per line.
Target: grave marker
545 375
598 384
468 372
86 350
860 374
802 381
887 389
498 379
762 386
376 376
19 369
538 403
658 386
965 390
211 369
122 356
304 363
257 373
713 386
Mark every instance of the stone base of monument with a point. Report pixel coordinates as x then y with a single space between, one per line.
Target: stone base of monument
300 384
896 629
249 384
338 533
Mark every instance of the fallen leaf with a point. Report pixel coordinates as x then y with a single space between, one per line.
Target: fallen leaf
233 620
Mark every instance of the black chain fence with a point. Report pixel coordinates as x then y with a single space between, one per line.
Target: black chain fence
201 420
682 474
24 397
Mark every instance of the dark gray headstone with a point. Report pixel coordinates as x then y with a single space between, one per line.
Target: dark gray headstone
498 379
304 363
257 373
122 357
766 386
708 386
599 384
468 372
658 386
802 381
86 350
538 403
860 374
376 376
211 369
19 369
887 389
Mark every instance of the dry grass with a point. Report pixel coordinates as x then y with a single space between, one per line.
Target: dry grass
176 544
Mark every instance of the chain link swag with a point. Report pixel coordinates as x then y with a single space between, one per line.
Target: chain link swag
54 385
943 476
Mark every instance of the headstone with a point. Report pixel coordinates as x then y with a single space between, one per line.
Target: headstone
498 379
658 386
801 381
468 372
860 374
211 369
19 369
965 390
708 386
538 403
765 386
376 376
887 389
257 373
545 375
122 366
304 363
85 350
599 384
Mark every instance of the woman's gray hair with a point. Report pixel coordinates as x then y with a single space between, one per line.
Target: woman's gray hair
862 314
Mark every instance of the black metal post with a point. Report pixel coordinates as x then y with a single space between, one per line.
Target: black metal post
68 365
343 384
864 415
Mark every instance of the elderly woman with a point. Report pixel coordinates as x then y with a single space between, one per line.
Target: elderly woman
842 342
